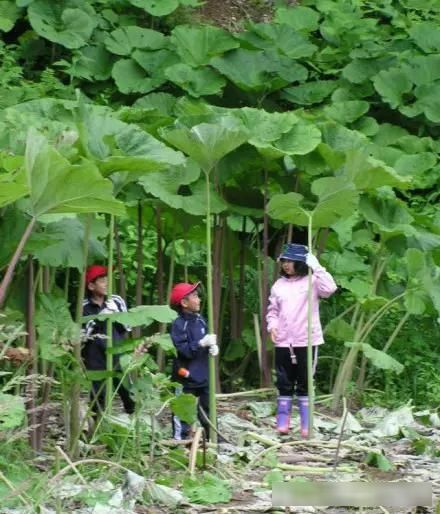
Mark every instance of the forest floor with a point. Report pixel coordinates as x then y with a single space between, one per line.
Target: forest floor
377 445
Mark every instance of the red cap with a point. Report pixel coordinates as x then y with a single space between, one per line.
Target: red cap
181 290
94 272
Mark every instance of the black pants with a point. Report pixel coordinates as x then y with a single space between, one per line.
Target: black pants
292 376
97 396
180 428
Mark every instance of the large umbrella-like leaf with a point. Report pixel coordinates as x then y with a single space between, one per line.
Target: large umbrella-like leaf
197 45
69 23
57 186
207 143
368 173
337 198
139 151
389 215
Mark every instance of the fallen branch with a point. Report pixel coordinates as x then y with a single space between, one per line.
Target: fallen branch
253 392
344 419
193 451
312 469
66 457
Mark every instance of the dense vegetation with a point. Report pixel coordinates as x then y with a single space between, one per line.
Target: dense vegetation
125 135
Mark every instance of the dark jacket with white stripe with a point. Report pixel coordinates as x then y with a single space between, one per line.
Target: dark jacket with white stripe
186 331
94 349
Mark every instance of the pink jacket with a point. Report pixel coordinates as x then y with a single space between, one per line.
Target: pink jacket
287 309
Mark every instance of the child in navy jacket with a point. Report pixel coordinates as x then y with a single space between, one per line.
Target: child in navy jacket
193 345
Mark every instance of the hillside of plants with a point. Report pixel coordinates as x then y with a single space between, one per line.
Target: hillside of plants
155 138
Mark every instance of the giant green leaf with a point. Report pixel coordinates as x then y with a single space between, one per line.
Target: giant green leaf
131 78
61 243
415 164
157 7
282 37
359 70
428 102
340 138
392 85
94 63
57 186
266 126
301 139
378 358
426 34
249 70
309 93
346 262
69 23
302 19
347 112
12 187
197 45
139 151
9 14
288 208
142 315
197 82
338 199
368 173
124 40
193 201
424 69
207 143
387 215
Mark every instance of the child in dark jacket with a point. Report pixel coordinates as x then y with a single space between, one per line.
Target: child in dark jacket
193 345
94 351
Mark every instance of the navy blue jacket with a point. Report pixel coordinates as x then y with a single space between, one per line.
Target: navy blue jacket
94 348
186 331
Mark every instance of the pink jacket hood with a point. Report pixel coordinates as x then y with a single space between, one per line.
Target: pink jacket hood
287 309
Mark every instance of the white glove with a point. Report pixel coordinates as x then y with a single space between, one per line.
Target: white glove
110 307
311 261
213 350
208 341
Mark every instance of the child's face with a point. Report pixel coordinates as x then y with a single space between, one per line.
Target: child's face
288 266
191 302
99 286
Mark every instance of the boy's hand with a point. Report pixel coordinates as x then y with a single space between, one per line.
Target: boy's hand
208 341
141 349
213 350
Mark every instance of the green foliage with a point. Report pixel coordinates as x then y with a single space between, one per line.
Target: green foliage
378 460
12 411
56 329
184 406
207 489
142 315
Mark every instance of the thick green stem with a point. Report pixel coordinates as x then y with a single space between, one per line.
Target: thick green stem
212 363
372 322
76 387
7 279
310 386
396 332
109 355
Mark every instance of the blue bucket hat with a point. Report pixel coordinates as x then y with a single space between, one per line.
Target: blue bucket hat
294 252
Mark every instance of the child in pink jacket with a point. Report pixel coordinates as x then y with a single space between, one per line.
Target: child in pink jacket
287 325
